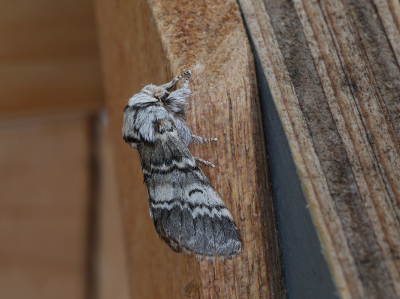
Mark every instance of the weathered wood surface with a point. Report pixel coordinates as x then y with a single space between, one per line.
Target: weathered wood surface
148 42
333 71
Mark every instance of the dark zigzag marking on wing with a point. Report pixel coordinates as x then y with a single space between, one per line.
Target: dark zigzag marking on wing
194 191
131 139
171 159
185 203
184 169
148 178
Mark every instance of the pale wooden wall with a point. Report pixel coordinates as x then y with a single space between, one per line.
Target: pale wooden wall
48 57
111 263
44 187
53 242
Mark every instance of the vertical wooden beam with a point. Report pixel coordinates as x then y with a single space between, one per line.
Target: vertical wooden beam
332 68
145 42
111 268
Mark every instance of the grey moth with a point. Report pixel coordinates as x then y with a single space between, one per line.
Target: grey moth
187 212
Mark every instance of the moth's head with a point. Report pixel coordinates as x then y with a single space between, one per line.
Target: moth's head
172 95
157 92
149 94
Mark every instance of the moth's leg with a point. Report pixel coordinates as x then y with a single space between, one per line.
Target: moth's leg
186 83
204 162
173 82
202 140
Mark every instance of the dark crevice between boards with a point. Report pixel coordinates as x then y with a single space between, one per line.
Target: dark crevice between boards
305 269
92 230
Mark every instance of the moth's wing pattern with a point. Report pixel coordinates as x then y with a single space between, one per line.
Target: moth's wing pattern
187 212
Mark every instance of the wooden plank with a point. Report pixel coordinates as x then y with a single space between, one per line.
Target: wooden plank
48 58
210 40
302 259
332 72
381 56
111 267
44 184
50 86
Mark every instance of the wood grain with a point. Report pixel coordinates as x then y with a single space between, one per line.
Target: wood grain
333 74
209 39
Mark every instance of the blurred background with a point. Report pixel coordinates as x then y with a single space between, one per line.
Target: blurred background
60 230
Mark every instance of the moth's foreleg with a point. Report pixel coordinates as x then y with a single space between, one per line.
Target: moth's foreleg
187 81
204 162
202 140
173 82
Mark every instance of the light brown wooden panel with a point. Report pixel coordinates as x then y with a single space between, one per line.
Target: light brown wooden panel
49 86
44 187
111 266
48 57
144 42
332 67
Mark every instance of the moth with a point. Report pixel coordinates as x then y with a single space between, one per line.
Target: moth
187 212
